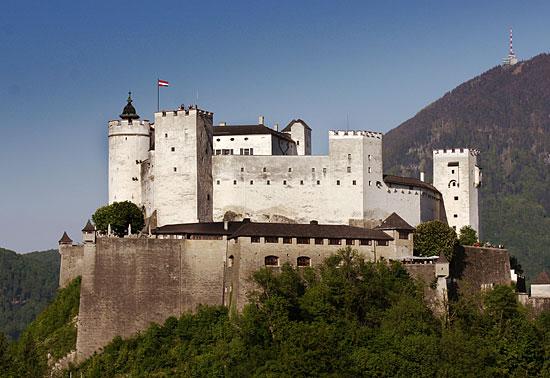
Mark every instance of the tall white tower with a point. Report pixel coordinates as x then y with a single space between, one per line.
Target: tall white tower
511 59
183 166
457 176
128 146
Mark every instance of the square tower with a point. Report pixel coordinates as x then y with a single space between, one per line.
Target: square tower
183 166
457 176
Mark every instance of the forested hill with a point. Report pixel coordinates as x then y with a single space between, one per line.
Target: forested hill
28 283
505 113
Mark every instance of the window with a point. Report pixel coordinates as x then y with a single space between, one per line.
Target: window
454 228
301 182
350 242
251 182
455 215
303 261
368 169
271 239
217 182
268 182
245 138
319 241
349 169
365 242
173 149
208 197
403 235
287 240
242 169
370 183
313 170
324 170
452 183
254 239
334 241
349 156
246 151
227 151
302 240
452 171
265 169
232 139
456 198
354 182
290 169
230 260
271 261
382 243
297 142
234 182
175 169
284 182
318 182
369 157
337 182
218 152
218 139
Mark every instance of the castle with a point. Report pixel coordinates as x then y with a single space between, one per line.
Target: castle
223 201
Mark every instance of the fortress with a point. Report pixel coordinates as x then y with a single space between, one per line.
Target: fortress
222 201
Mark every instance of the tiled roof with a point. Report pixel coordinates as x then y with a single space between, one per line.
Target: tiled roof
249 130
408 181
289 126
89 227
395 222
65 239
542 279
247 228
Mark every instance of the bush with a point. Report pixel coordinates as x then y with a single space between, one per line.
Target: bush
435 238
119 215
468 236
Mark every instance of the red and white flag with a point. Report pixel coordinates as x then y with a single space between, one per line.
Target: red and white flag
163 83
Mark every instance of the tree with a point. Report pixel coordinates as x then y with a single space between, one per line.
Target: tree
435 238
468 236
119 215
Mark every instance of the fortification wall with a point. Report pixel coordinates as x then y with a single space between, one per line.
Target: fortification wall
129 283
72 263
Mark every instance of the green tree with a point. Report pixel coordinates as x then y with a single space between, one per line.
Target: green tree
435 238
467 236
119 215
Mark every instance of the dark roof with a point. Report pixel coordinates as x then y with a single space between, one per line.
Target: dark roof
395 222
209 228
289 126
129 112
249 130
247 228
442 259
89 227
65 239
409 181
542 279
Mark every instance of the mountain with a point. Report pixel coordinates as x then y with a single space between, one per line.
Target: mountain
28 283
505 113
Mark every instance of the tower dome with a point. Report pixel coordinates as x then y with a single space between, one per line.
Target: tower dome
129 112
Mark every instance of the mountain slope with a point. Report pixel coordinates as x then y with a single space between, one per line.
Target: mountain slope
505 113
28 282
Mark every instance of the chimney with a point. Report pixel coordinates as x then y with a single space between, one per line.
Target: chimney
261 120
225 225
222 124
276 127
422 176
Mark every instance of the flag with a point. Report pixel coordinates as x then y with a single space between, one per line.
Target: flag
163 83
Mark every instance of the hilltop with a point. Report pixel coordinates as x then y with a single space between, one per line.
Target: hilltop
28 283
505 113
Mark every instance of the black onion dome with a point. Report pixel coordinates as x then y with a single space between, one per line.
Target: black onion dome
129 111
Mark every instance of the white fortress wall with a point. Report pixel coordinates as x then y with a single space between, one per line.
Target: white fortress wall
260 143
128 146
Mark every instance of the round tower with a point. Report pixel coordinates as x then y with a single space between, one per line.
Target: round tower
128 148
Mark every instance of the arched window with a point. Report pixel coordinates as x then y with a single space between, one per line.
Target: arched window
271 261
452 183
303 261
230 260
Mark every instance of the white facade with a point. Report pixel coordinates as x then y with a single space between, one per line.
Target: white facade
458 178
300 132
179 177
540 290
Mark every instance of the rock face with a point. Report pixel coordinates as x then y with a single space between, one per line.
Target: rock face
504 113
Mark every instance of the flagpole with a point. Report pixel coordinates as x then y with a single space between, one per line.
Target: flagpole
158 96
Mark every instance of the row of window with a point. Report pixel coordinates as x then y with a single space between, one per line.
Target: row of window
230 151
274 261
318 241
285 182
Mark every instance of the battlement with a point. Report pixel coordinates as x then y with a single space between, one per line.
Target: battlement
354 133
464 152
129 127
182 112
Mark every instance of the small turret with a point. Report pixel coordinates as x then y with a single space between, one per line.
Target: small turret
129 112
88 233
65 239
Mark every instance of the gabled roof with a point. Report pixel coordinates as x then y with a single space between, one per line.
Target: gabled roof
89 227
542 279
249 130
394 222
209 228
409 181
289 126
65 239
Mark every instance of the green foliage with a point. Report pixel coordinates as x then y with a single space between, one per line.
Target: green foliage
27 284
504 114
346 318
119 215
435 238
467 236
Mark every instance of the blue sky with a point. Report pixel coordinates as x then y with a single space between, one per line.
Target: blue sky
66 68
